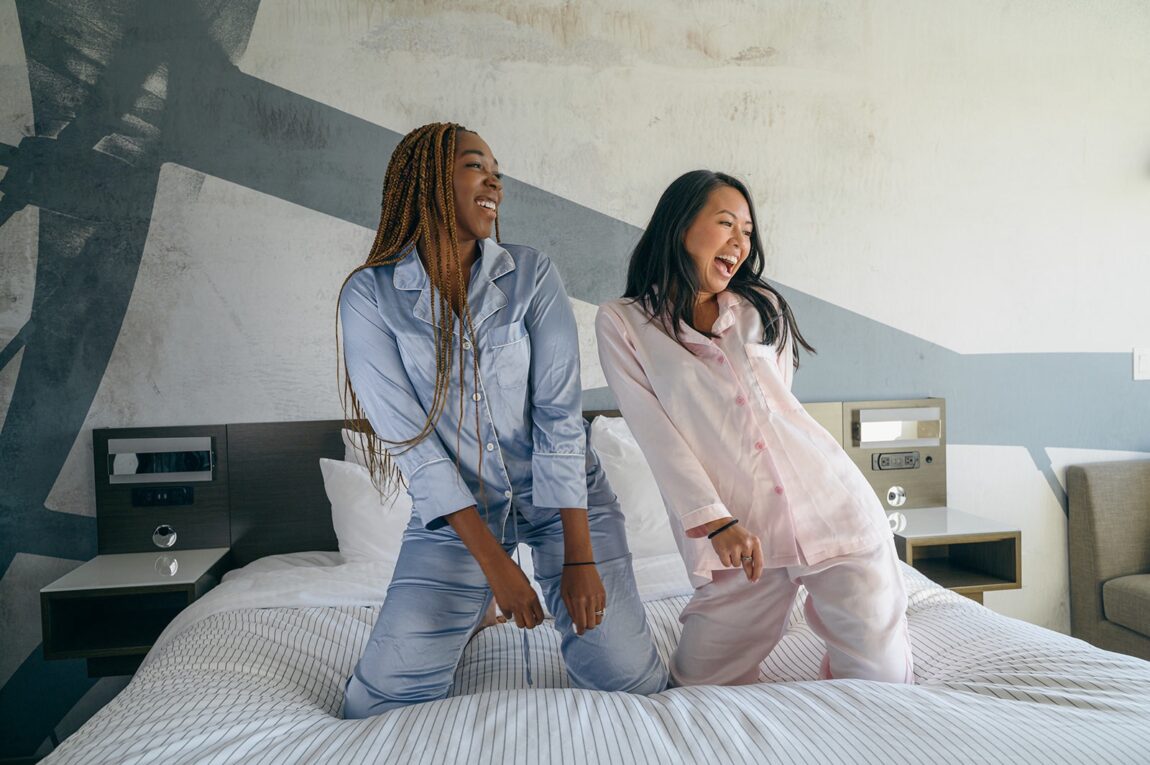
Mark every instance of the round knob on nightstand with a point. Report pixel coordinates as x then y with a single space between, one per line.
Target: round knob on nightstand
164 536
167 565
896 496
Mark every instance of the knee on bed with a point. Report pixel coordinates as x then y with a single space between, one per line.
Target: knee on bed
889 663
643 679
654 681
361 701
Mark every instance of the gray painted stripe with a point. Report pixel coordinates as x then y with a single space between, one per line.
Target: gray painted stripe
1033 400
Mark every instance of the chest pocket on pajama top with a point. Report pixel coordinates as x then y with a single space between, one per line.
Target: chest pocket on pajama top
765 364
509 351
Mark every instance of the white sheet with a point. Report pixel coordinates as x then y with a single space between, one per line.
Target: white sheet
235 682
310 559
300 580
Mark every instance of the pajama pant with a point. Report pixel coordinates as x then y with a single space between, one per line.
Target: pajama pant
856 603
439 595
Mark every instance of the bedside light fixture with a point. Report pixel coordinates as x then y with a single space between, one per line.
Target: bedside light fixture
160 460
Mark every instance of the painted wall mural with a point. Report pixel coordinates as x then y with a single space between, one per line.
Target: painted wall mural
143 127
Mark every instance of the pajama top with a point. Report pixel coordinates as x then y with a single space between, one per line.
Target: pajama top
531 428
724 436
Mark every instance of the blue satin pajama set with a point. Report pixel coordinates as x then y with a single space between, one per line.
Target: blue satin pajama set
535 460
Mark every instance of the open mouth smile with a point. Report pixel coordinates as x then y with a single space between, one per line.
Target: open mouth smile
727 265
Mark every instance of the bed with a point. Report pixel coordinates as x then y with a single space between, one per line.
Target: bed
254 671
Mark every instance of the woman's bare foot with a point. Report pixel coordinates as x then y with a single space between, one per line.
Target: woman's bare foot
490 617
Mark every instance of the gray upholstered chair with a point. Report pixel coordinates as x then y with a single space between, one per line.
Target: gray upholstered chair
1109 542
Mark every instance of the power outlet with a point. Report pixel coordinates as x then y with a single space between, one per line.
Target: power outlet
163 496
1142 363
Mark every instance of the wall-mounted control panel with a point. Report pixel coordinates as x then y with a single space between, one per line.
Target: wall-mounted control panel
165 491
900 446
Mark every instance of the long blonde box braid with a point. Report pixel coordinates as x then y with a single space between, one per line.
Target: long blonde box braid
418 194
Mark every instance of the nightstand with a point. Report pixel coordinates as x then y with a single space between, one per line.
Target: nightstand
961 552
111 609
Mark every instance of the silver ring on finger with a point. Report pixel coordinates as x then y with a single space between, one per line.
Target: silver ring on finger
748 559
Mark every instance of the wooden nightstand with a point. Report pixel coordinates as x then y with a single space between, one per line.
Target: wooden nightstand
111 609
961 552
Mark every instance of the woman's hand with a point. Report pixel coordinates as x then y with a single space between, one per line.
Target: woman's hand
514 594
584 596
581 588
737 548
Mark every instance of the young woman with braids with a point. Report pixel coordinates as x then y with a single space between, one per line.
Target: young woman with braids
700 353
462 354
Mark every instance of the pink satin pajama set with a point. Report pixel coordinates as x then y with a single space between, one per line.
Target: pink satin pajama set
724 436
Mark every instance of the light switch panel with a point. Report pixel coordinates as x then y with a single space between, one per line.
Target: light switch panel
1142 363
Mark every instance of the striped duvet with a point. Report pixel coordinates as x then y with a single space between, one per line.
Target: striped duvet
230 682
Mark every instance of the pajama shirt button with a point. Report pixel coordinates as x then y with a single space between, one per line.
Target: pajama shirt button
467 345
778 490
507 494
491 447
760 445
740 399
477 396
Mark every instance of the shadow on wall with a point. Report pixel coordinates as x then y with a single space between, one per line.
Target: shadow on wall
167 90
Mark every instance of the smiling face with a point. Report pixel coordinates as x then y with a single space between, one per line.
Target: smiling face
719 239
478 189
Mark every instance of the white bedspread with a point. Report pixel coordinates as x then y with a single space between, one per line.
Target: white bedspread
236 680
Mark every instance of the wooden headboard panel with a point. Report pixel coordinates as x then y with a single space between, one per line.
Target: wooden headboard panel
278 503
266 495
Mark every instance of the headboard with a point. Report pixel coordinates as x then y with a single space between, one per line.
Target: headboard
265 493
277 499
265 496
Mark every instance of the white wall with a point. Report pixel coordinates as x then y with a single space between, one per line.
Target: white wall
986 162
976 174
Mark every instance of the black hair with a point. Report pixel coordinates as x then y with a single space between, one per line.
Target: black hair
661 276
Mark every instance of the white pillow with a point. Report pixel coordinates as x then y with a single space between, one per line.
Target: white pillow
284 562
648 527
354 448
661 576
368 525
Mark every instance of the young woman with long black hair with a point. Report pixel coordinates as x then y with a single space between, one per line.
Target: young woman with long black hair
700 353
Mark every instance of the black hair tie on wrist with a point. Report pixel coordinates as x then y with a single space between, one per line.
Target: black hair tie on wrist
580 563
722 528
